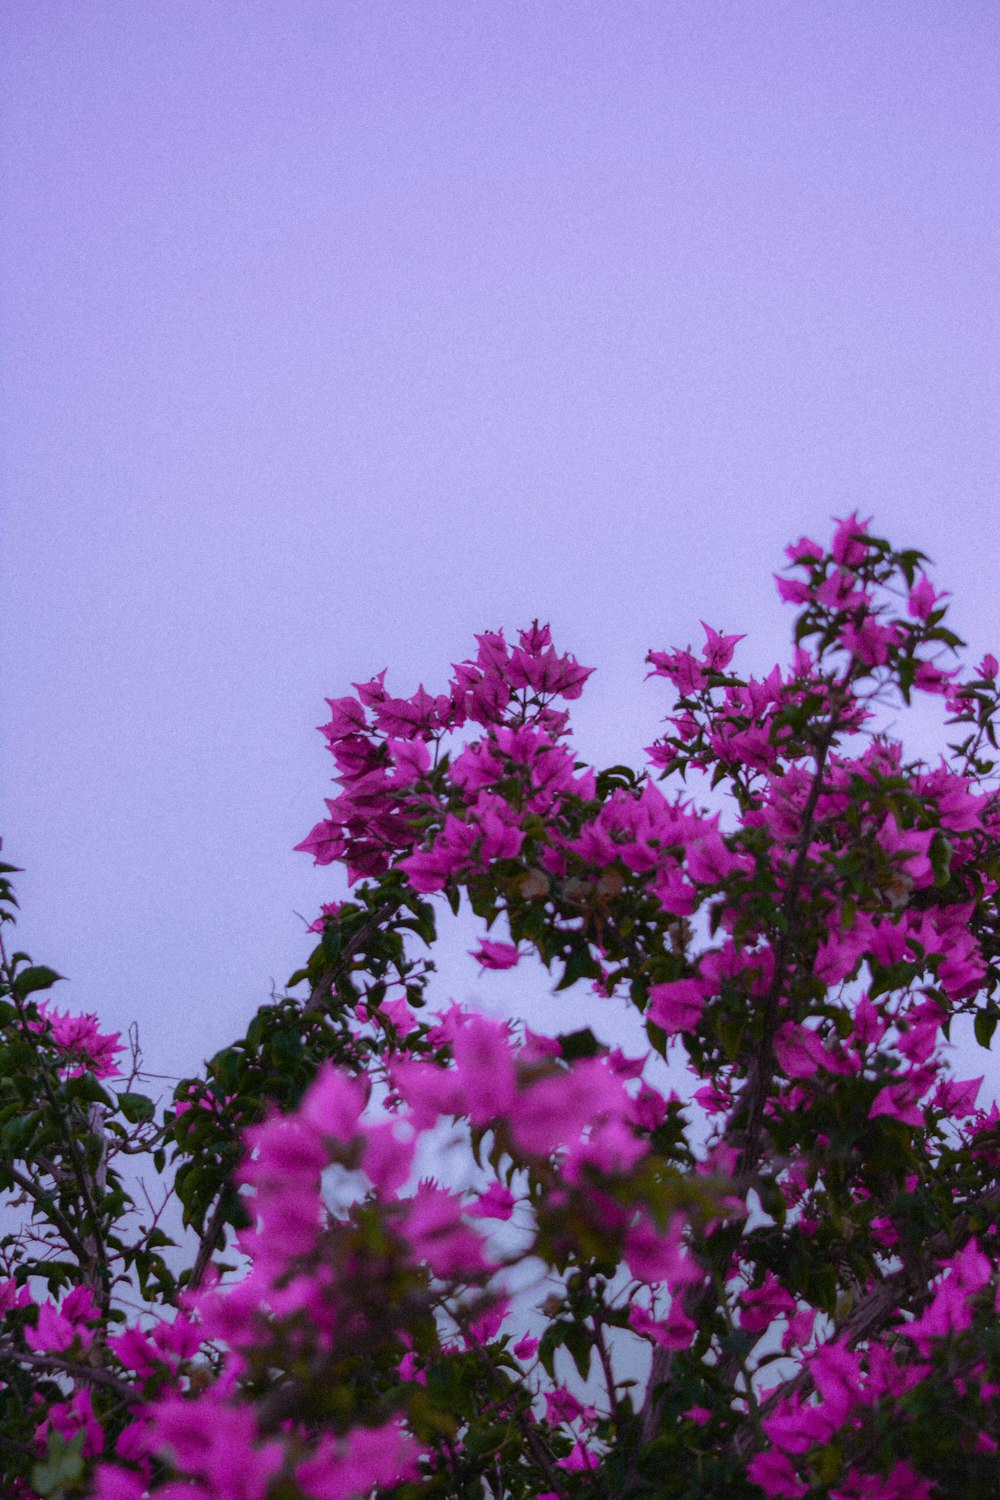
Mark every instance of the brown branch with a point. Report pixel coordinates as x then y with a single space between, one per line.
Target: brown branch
47 1206
323 987
211 1236
91 1374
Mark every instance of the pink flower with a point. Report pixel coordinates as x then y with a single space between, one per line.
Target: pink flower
497 1202
56 1331
429 1091
718 652
495 955
73 1416
438 1233
216 1442
682 669
554 1112
848 546
799 1051
912 846
562 1406
922 598
612 1147
675 1005
836 1373
579 1458
352 1466
791 590
957 1096
387 1159
775 1473
325 842
328 909
86 1047
675 1331
654 1256
112 1483
901 1483
334 1102
709 862
12 1295
898 1101
486 1327
868 642
804 551
485 1067
761 1305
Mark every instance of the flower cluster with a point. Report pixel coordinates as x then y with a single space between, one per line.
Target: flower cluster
805 1246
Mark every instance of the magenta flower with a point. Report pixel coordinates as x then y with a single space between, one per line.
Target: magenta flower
718 652
492 955
485 1067
387 1159
497 1202
334 1103
922 599
775 1473
761 1306
848 546
675 1005
86 1047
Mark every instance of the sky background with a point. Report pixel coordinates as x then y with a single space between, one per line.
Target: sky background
333 333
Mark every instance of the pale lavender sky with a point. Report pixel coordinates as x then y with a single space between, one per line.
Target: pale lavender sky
335 332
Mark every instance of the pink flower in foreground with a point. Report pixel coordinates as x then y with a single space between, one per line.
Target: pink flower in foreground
439 1234
496 1203
350 1467
485 1065
112 1483
655 1256
387 1159
333 1103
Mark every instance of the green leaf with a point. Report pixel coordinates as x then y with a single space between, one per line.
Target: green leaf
578 1044
62 1465
87 1088
940 858
36 978
984 1025
136 1107
579 963
578 1343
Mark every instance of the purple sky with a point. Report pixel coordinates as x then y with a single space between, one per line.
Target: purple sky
335 332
